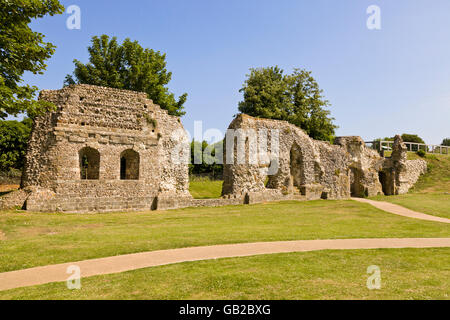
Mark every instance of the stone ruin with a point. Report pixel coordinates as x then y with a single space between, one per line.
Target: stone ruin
103 149
309 169
107 149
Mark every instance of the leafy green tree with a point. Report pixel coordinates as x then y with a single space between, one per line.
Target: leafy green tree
446 142
22 49
412 138
406 137
14 137
309 106
203 158
128 66
295 98
266 94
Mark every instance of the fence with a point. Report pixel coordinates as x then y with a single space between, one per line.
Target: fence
411 146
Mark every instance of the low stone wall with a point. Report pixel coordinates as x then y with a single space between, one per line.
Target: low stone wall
44 200
413 170
110 204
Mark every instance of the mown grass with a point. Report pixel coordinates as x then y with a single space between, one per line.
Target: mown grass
35 239
430 203
405 274
205 188
431 194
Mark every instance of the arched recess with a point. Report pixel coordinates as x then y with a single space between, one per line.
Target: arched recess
356 187
89 164
296 169
129 165
387 182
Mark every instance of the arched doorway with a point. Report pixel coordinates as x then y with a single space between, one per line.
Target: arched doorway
89 164
129 165
356 187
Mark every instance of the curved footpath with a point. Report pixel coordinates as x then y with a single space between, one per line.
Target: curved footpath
57 273
401 211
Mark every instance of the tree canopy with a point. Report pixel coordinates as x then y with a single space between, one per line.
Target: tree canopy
406 137
203 158
296 98
446 142
128 66
14 137
22 49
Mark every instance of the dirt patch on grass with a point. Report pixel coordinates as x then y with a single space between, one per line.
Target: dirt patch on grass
2 235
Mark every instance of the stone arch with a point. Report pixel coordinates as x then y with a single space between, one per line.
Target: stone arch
356 186
129 165
387 182
296 169
89 163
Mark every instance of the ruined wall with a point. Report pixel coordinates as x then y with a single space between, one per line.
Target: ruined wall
106 149
399 174
364 166
115 126
308 168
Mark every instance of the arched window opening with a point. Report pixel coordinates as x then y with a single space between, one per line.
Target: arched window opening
89 164
129 165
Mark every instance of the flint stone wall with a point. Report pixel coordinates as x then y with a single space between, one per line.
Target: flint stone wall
320 169
311 169
110 121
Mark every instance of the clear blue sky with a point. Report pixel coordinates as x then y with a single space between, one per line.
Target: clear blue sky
379 82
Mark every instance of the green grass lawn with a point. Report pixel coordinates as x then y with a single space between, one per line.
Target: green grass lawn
431 194
205 189
431 203
35 239
405 274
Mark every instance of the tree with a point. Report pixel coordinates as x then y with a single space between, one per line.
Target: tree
22 49
446 142
203 158
14 137
266 94
128 66
295 98
309 106
412 138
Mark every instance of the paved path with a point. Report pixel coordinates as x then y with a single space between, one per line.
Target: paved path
402 211
56 273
